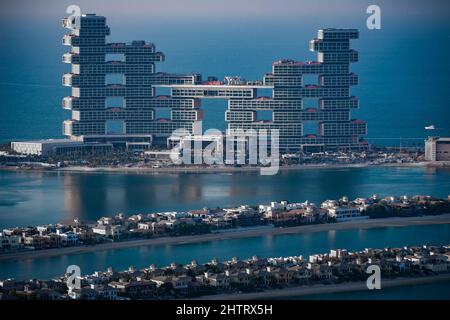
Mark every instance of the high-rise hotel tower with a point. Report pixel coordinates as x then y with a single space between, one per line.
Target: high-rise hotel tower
113 99
310 104
310 116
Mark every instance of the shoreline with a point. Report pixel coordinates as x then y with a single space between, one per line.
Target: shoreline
224 169
356 224
300 291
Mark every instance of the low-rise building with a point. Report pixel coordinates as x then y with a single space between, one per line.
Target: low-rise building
68 238
437 149
273 207
42 242
345 213
114 231
145 226
281 275
9 243
240 278
320 271
140 289
217 280
52 147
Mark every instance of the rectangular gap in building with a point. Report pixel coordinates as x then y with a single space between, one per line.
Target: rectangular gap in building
163 91
114 78
213 114
265 93
162 113
115 102
310 79
309 103
264 115
310 127
115 127
114 57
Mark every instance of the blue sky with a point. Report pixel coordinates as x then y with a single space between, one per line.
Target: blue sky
228 8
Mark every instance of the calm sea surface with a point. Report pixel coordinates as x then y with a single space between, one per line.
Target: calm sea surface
30 198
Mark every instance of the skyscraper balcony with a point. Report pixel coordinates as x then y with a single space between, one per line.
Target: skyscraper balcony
67 127
67 103
67 80
67 39
67 57
68 22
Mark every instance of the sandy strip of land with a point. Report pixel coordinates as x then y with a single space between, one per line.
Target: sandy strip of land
232 169
326 289
360 224
223 169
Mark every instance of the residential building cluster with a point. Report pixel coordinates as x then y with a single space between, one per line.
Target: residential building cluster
175 223
235 275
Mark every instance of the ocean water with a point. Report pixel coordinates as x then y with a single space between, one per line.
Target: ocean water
403 68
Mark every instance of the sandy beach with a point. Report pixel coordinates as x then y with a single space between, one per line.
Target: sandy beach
326 289
360 224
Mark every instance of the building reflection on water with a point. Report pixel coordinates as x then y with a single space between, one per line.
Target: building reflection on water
84 195
50 197
89 196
